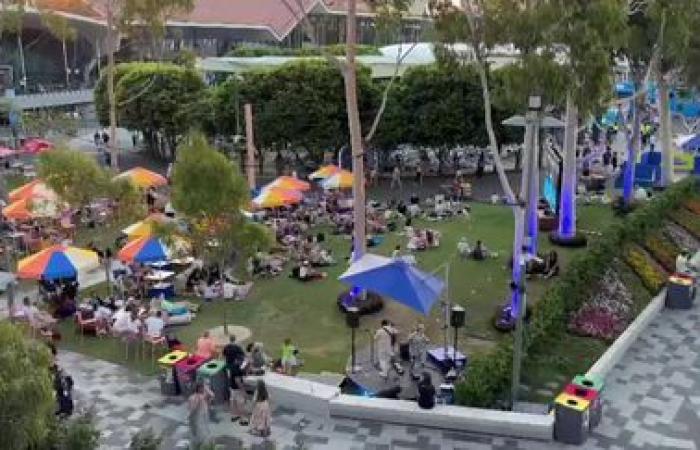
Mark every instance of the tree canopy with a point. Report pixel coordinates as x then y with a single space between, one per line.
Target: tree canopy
74 176
26 397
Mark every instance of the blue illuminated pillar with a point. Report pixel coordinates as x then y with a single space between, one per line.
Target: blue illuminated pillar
632 142
567 204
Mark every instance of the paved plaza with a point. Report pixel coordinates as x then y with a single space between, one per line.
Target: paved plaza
652 401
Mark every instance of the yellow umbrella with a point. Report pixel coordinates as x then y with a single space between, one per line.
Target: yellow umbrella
144 227
339 180
276 197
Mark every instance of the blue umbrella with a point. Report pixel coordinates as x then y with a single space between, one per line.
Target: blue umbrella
397 279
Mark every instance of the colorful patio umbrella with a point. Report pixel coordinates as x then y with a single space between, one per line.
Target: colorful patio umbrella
57 262
324 172
143 178
144 227
397 279
289 183
144 250
36 146
339 180
31 208
36 188
276 197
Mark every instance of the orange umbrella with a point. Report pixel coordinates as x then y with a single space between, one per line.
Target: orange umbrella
339 180
276 197
143 178
35 188
324 172
30 208
289 183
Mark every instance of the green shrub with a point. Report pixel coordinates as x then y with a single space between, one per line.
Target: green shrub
687 220
488 375
652 276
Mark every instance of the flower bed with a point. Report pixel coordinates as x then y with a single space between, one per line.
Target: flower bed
652 275
687 220
663 250
681 237
607 313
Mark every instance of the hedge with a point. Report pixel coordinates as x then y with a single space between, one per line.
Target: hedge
653 277
488 375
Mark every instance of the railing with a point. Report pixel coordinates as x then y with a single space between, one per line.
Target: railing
54 99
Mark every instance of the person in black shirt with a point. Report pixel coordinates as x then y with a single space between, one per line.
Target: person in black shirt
426 392
234 355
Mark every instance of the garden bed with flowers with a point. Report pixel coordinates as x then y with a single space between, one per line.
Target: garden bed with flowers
593 302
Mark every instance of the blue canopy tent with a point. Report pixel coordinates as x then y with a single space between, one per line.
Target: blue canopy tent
397 279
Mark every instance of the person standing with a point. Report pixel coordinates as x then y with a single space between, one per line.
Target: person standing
396 177
480 164
198 417
383 343
289 357
261 419
417 348
97 139
426 392
419 173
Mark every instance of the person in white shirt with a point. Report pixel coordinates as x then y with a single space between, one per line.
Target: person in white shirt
155 325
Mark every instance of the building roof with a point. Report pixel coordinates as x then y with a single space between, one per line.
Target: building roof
278 17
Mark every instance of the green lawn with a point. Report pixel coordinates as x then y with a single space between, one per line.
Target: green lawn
307 312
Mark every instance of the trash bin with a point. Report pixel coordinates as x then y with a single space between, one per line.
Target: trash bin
186 370
214 373
571 419
680 292
169 384
590 395
596 383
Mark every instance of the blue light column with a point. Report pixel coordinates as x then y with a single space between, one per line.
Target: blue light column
567 206
628 186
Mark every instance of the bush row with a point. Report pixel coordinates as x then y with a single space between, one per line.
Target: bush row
488 375
652 276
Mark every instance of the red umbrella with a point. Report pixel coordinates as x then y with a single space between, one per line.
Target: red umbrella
36 146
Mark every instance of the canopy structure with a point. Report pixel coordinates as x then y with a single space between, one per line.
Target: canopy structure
276 197
144 228
33 189
324 172
57 262
36 146
31 208
397 279
143 178
339 180
289 183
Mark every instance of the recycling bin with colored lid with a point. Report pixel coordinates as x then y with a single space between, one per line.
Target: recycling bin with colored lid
186 370
169 384
214 373
571 419
593 397
592 381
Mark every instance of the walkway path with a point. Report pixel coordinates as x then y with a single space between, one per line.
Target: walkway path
652 402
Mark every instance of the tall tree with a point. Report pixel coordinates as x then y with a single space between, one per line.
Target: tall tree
12 22
26 398
122 15
590 31
62 30
210 192
74 176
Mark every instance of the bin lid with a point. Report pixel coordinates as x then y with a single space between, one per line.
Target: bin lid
190 362
582 392
172 358
571 402
211 367
590 381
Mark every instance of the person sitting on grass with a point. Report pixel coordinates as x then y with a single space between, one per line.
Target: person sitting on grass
307 273
463 248
480 251
552 265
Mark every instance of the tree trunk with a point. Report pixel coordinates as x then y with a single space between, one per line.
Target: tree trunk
567 203
113 146
22 62
665 132
65 62
358 187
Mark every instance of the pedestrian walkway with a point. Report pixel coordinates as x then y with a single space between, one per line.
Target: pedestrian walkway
652 401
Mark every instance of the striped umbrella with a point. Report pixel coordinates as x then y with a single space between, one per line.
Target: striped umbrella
31 208
289 183
144 227
57 262
324 172
276 197
340 180
143 178
144 250
35 188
